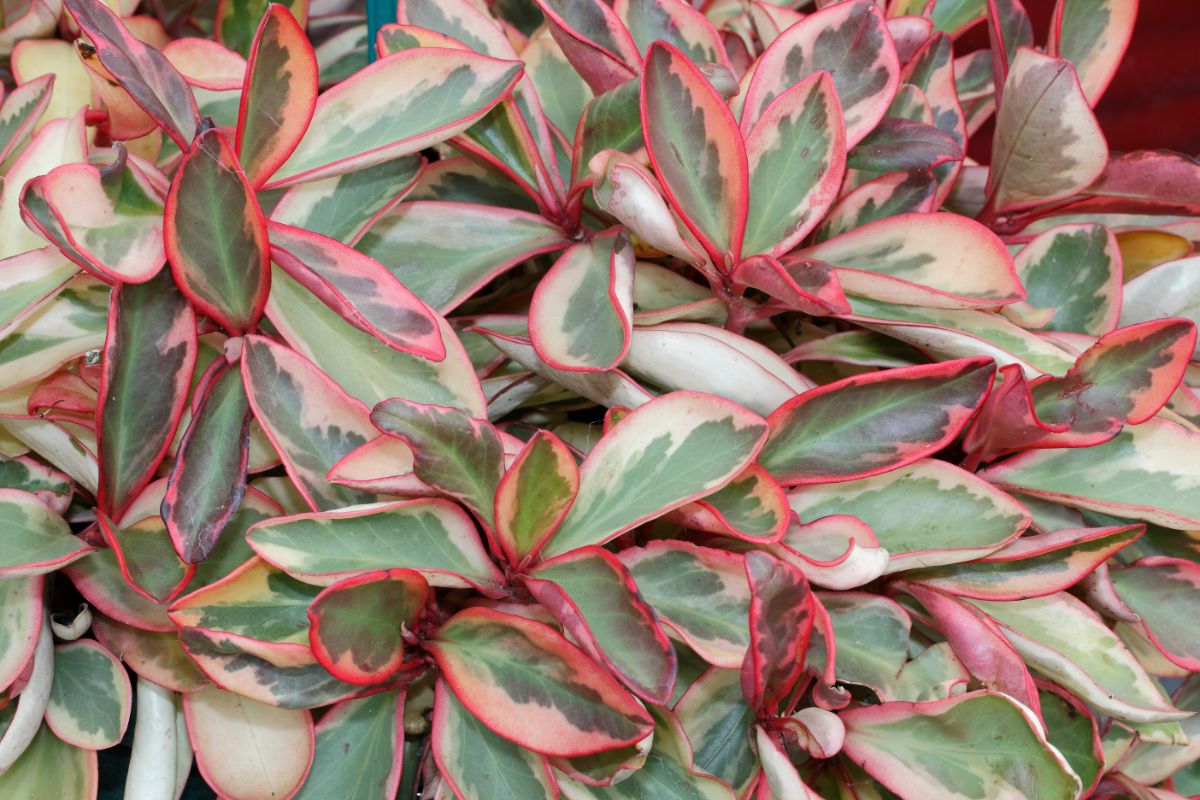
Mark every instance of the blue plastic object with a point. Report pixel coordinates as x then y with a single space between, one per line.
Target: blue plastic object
379 13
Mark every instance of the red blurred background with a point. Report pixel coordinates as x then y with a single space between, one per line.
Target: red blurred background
1154 100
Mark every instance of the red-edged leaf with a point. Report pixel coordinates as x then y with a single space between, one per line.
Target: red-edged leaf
357 626
208 480
535 495
696 150
1144 182
800 284
593 40
903 145
278 96
595 598
146 559
676 22
22 110
868 424
781 621
751 507
1007 421
149 355
216 235
531 686
360 289
141 70
1093 34
1164 593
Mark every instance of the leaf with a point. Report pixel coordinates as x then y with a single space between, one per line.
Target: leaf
670 451
885 196
22 109
781 621
432 536
358 625
29 280
937 260
1148 472
1092 34
51 768
796 152
359 289
453 452
851 42
676 23
139 407
696 151
278 96
146 558
866 425
1074 270
699 593
1032 566
1062 638
107 220
974 745
1071 729
579 318
70 326
871 635
477 762
531 686
751 507
433 94
1047 144
610 122
98 578
20 625
1164 593
310 421
594 597
593 39
37 540
141 70
156 656
444 252
535 495
248 749
717 720
902 145
90 698
221 267
208 479
1172 289
359 750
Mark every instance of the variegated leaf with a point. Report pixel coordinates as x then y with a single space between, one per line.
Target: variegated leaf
359 750
1171 289
974 745
865 425
433 94
871 637
20 624
675 22
434 537
278 96
535 495
593 39
886 196
782 609
149 324
311 422
670 451
216 237
91 696
934 260
358 625
54 332
22 110
1092 34
153 655
146 558
30 279
851 42
51 768
1164 593
1073 270
751 507
717 720
60 141
529 685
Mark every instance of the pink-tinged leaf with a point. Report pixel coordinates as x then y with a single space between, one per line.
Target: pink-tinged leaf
155 656
837 551
1165 595
206 64
1007 421
674 449
796 153
1032 566
309 419
90 698
247 749
624 188
1125 378
141 70
534 496
675 22
452 451
851 42
594 40
216 236
149 355
751 507
931 260
781 621
1042 103
21 626
278 96
980 744
382 465
594 597
869 424
28 280
1144 182
475 762
903 145
1093 34
699 593
579 318
1008 29
359 625
531 686
108 220
794 283
931 71
779 778
146 558
22 110
208 479
433 94
697 152
360 289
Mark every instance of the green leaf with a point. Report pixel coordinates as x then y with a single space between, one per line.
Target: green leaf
36 540
1092 34
359 750
1073 270
1071 728
717 720
51 769
91 696
1165 594
534 495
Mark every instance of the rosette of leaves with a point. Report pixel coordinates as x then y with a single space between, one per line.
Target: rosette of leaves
592 400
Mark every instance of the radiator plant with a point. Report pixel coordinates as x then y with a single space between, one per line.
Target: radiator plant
592 400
